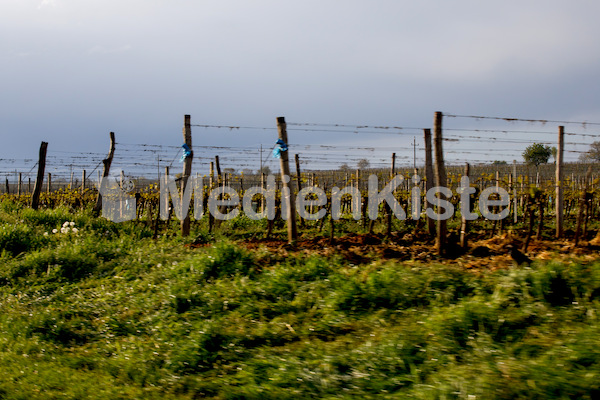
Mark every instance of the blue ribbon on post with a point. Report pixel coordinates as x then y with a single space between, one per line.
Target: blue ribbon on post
280 147
186 152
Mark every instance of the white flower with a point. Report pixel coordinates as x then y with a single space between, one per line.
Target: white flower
54 230
75 230
72 223
64 230
65 224
45 233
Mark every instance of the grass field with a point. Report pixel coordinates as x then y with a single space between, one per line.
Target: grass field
103 311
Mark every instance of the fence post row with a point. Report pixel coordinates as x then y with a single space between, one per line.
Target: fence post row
435 172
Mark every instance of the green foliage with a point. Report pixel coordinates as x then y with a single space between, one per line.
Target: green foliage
225 260
537 154
18 238
110 313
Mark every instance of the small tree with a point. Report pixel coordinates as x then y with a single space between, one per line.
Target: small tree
344 167
537 154
265 170
593 154
363 164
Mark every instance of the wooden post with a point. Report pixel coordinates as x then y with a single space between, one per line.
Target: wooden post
20 185
298 177
49 188
440 178
559 182
388 209
166 206
211 186
121 204
187 172
262 185
7 186
285 178
298 181
428 176
35 198
219 176
105 171
464 225
83 181
514 179
71 181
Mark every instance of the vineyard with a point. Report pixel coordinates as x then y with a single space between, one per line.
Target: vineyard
363 304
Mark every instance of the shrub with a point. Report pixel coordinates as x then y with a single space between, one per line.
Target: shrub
16 239
225 260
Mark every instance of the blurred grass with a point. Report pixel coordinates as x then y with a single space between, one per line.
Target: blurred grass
109 313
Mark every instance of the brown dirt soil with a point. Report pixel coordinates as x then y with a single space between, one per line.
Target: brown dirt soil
483 254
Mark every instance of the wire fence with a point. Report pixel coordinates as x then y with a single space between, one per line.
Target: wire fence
328 152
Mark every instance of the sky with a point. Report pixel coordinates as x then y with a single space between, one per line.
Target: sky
74 70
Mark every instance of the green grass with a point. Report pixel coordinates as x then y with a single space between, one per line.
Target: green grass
109 313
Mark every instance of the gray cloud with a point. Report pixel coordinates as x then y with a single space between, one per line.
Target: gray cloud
76 71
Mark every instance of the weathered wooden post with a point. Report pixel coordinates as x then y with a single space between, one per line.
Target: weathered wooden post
20 184
428 176
262 185
440 179
83 177
49 188
387 206
514 179
559 182
299 180
211 186
187 172
105 171
285 178
166 205
464 224
211 178
35 198
218 166
298 174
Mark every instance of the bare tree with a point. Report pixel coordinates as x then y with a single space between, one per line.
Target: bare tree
593 154
363 164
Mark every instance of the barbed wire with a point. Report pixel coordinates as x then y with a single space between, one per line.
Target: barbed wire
473 147
530 120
